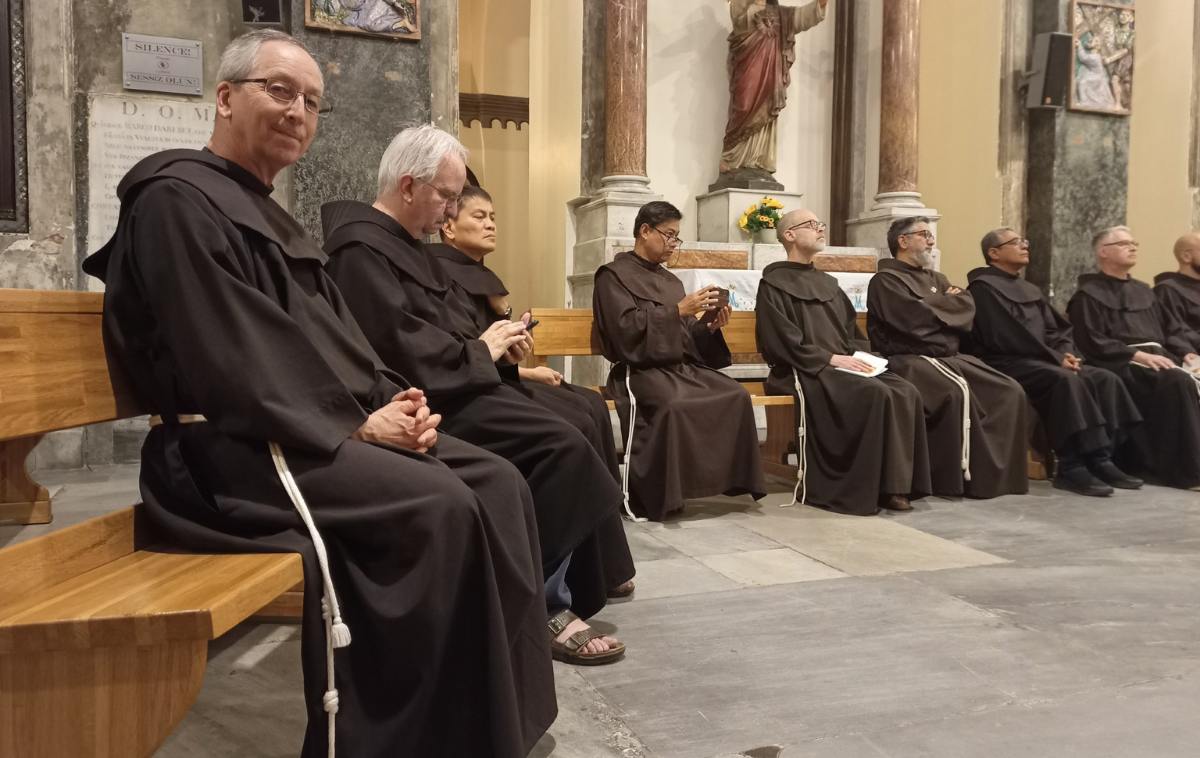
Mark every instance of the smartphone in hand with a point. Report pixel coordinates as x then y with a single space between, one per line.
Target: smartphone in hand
722 301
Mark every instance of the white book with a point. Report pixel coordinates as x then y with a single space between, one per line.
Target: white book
879 365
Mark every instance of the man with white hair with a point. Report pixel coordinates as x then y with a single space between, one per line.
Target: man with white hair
276 428
422 326
976 416
861 439
1178 292
1120 326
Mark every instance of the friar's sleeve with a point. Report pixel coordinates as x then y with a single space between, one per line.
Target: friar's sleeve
780 338
632 333
1175 332
433 359
808 16
1087 319
241 358
1174 306
710 344
890 302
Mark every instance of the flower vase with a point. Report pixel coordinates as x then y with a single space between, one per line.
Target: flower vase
768 236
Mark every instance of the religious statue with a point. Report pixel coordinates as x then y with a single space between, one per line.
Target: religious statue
762 48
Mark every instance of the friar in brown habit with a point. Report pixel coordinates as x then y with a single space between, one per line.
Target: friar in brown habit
976 416
693 432
218 310
419 323
860 439
1178 292
1086 410
1120 326
467 238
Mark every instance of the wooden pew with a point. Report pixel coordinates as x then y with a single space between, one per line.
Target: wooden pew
568 332
104 628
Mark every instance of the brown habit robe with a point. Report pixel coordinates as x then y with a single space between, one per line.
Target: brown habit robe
1018 333
418 323
1179 299
583 408
865 435
216 303
1113 319
694 433
911 318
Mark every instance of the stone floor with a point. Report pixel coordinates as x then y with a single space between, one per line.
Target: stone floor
1043 625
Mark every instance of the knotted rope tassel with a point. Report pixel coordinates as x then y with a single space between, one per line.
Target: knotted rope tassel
801 447
629 450
966 423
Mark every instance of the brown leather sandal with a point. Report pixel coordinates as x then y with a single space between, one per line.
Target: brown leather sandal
570 651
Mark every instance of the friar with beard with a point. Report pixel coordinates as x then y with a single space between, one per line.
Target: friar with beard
976 416
1178 292
689 429
860 439
419 323
218 310
467 238
1086 410
1120 326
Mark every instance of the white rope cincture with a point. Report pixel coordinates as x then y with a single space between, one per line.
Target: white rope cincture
337 634
966 422
800 493
628 515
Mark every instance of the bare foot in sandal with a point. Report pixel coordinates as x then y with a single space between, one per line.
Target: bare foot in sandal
578 643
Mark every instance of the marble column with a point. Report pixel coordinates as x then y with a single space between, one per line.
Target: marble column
1078 179
625 97
899 101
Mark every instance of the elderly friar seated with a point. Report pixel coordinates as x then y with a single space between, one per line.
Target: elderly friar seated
689 430
420 324
1178 292
860 439
272 411
1086 410
975 415
467 239
1120 326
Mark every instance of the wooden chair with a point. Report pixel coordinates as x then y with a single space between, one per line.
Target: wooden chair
104 628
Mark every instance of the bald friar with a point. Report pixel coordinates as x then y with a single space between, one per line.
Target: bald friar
860 440
1178 292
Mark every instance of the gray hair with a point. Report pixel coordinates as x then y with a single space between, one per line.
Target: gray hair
993 239
1104 234
900 227
240 56
417 151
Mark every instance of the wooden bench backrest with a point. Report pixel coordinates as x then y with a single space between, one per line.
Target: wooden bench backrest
565 331
53 373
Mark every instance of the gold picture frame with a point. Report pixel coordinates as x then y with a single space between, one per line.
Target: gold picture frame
387 19
1102 57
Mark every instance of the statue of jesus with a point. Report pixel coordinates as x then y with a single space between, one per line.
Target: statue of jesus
762 48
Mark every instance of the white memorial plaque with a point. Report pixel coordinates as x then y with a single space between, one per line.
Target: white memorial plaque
163 64
122 131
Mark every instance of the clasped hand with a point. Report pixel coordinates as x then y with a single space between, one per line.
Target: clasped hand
404 422
1071 363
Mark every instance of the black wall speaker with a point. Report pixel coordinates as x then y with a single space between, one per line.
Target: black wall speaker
1051 76
262 12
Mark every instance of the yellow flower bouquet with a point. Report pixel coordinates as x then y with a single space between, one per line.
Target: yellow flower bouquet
762 215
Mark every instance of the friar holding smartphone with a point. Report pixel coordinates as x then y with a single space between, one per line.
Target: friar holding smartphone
689 430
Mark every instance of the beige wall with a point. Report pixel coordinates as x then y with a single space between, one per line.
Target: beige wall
1159 197
960 125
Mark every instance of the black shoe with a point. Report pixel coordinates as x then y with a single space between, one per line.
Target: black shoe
1081 482
1108 473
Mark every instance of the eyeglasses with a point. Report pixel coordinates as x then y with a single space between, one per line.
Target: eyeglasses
1018 241
816 226
285 93
446 195
928 235
1122 243
672 239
